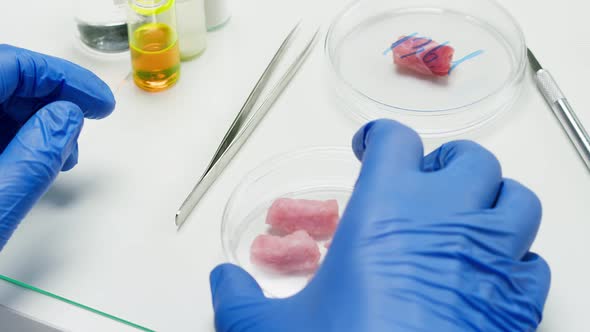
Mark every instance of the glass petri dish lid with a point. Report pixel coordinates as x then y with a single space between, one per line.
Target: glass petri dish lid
487 77
321 173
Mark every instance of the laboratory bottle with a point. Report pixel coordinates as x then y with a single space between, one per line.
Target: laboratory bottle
101 26
192 29
217 12
153 41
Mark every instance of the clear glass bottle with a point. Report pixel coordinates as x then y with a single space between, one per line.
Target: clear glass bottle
192 29
153 41
102 25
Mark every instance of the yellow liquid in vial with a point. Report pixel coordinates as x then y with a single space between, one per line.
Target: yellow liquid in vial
155 57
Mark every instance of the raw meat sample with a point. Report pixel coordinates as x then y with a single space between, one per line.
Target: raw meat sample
327 244
294 253
423 56
318 218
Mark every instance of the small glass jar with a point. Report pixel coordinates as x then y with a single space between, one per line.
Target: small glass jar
153 41
192 30
101 26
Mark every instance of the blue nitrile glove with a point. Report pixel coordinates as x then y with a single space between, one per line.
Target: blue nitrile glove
439 243
43 102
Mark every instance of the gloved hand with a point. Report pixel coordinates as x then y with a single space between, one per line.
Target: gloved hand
437 243
43 102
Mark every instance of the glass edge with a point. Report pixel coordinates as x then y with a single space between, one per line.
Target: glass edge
78 305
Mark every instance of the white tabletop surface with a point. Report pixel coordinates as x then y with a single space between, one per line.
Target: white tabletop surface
104 233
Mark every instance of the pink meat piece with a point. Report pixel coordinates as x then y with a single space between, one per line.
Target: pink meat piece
434 60
327 244
294 253
318 218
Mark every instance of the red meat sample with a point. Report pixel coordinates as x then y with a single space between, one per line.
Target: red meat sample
423 56
318 218
294 253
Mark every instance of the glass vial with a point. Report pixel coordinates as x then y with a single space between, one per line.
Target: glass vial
217 12
102 25
192 30
153 41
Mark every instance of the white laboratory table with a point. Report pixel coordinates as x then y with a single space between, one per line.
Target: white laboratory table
104 234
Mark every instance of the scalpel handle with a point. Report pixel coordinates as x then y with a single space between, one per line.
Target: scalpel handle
565 114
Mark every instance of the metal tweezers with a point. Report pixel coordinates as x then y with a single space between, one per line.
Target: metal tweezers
244 124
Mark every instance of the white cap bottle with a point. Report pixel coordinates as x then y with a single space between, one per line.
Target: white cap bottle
191 27
218 13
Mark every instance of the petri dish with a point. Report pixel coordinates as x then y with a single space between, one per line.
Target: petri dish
315 173
369 85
